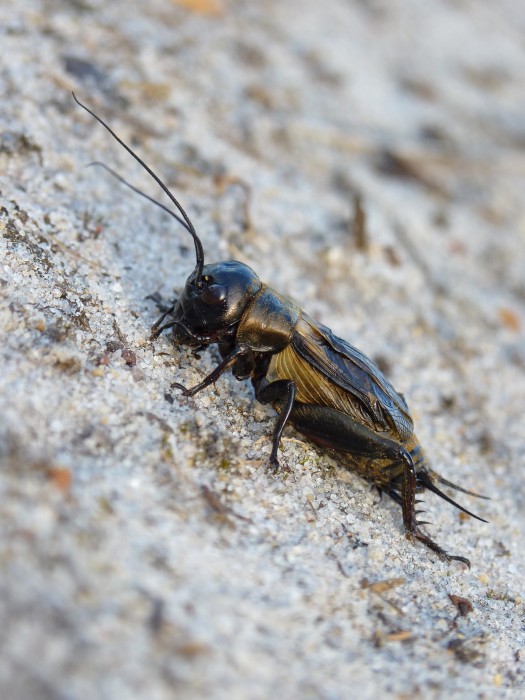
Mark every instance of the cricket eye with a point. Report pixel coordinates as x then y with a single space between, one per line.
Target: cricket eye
214 295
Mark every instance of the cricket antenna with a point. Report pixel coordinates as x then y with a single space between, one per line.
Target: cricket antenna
122 180
185 221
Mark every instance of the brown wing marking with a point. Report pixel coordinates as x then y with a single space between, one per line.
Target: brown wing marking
346 368
312 387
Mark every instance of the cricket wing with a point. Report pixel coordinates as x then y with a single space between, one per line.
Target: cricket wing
351 371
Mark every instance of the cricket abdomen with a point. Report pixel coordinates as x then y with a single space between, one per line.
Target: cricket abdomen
384 471
414 449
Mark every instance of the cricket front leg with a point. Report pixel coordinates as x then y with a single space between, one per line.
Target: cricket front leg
157 328
229 361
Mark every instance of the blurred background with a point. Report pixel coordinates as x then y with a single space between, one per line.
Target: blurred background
367 159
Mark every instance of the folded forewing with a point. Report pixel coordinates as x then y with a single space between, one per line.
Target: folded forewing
350 370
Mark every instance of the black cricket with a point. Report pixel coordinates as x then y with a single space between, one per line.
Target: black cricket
323 386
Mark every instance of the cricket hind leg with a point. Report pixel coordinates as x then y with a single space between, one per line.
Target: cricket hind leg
403 491
406 497
330 428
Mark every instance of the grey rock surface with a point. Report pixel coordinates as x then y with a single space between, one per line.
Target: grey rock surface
146 549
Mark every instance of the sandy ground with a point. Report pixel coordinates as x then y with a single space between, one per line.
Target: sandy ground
146 549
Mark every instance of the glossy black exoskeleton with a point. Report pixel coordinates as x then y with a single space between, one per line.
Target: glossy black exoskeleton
326 388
